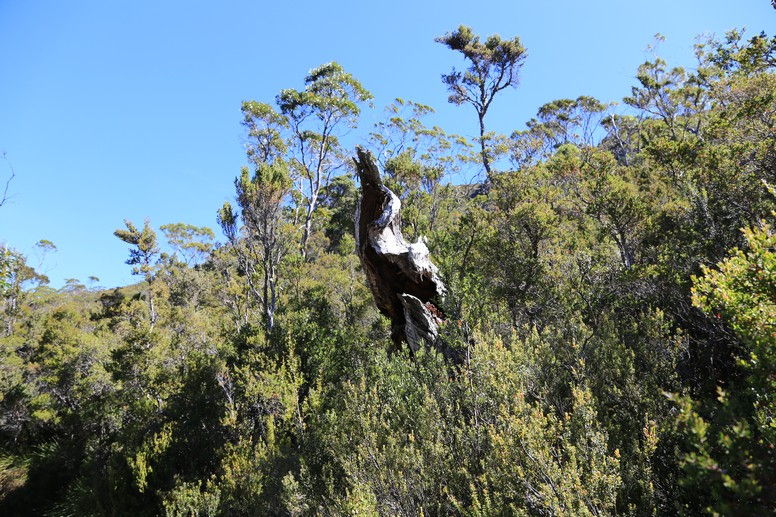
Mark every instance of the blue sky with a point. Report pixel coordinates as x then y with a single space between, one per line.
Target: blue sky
112 110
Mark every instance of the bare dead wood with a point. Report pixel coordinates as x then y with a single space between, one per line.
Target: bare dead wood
405 283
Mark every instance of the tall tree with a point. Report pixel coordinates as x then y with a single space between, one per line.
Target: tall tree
494 65
143 256
316 117
262 241
305 132
562 121
260 199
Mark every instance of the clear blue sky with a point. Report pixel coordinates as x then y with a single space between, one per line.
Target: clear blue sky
113 110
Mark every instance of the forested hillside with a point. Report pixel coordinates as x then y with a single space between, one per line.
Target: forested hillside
611 302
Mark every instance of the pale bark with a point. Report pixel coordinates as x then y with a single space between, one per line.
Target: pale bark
405 283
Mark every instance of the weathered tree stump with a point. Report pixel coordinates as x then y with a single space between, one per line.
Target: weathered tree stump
405 284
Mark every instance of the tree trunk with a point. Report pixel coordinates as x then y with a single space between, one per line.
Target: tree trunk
151 308
483 152
484 187
405 284
308 223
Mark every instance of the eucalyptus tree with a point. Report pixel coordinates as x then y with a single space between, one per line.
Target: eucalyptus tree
494 65
182 271
262 194
305 131
317 117
562 121
416 158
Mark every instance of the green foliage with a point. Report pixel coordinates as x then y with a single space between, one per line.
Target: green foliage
493 66
145 247
194 243
558 123
730 461
190 500
329 92
143 255
304 135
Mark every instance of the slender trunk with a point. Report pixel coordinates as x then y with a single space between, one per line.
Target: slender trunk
465 259
151 309
622 243
267 308
270 299
10 311
315 189
270 313
305 235
483 152
308 224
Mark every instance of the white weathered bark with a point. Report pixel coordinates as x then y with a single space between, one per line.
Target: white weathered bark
405 283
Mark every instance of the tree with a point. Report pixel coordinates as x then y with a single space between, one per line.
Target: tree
16 276
260 199
143 256
416 158
316 117
265 131
562 121
193 242
305 132
43 247
494 66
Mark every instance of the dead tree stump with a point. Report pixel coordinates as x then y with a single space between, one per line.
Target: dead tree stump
405 284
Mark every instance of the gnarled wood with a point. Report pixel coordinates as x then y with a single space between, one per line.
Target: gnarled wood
405 284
